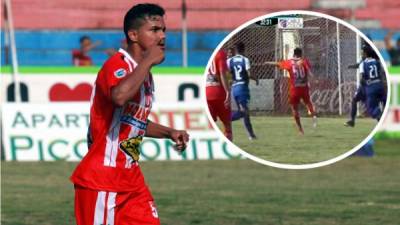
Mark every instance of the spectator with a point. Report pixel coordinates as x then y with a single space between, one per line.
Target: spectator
80 57
394 51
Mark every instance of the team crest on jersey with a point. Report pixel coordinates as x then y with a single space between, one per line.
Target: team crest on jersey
131 147
120 73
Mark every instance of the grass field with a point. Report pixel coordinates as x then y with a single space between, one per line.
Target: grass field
355 191
278 140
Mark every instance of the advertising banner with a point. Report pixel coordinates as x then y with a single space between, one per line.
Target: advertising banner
42 88
57 131
392 120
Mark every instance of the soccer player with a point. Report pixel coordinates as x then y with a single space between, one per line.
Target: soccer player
230 52
370 70
360 95
299 70
218 92
239 67
109 185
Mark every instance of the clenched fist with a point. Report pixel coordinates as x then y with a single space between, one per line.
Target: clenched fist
180 137
154 55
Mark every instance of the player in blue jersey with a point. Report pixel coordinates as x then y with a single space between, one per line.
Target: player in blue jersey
239 67
360 95
370 70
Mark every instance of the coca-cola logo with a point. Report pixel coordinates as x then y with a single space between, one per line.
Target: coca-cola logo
326 100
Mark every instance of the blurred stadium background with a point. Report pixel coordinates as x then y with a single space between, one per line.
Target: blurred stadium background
46 32
53 126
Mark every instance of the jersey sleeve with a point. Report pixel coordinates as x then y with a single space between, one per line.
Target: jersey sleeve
285 64
227 63
221 63
247 63
114 72
307 64
361 67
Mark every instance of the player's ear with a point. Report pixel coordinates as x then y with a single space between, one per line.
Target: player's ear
133 35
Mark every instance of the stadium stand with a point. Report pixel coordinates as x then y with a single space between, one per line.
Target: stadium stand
47 31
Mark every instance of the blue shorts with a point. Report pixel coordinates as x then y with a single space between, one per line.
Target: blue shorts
241 94
375 94
360 94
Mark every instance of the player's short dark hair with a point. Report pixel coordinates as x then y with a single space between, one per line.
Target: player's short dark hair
231 49
368 51
240 47
137 14
298 52
83 38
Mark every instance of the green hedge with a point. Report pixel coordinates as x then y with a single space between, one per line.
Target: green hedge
394 70
381 135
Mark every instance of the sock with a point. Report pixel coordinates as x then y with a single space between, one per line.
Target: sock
298 123
228 131
353 110
310 108
247 124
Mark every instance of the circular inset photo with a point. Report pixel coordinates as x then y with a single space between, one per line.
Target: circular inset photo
296 89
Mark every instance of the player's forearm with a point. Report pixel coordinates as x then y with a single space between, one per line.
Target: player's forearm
156 130
311 74
387 39
353 66
94 45
271 63
129 86
225 84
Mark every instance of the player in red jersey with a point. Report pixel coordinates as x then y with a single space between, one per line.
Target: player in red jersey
109 185
299 70
218 92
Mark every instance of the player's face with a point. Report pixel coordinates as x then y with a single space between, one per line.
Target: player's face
364 55
229 53
152 33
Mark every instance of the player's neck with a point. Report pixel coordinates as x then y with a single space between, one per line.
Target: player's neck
135 53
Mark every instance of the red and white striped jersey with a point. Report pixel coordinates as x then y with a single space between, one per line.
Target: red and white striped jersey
298 73
106 167
217 69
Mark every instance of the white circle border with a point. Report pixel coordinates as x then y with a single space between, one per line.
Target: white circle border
310 165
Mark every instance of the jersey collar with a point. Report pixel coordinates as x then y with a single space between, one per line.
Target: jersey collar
126 54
